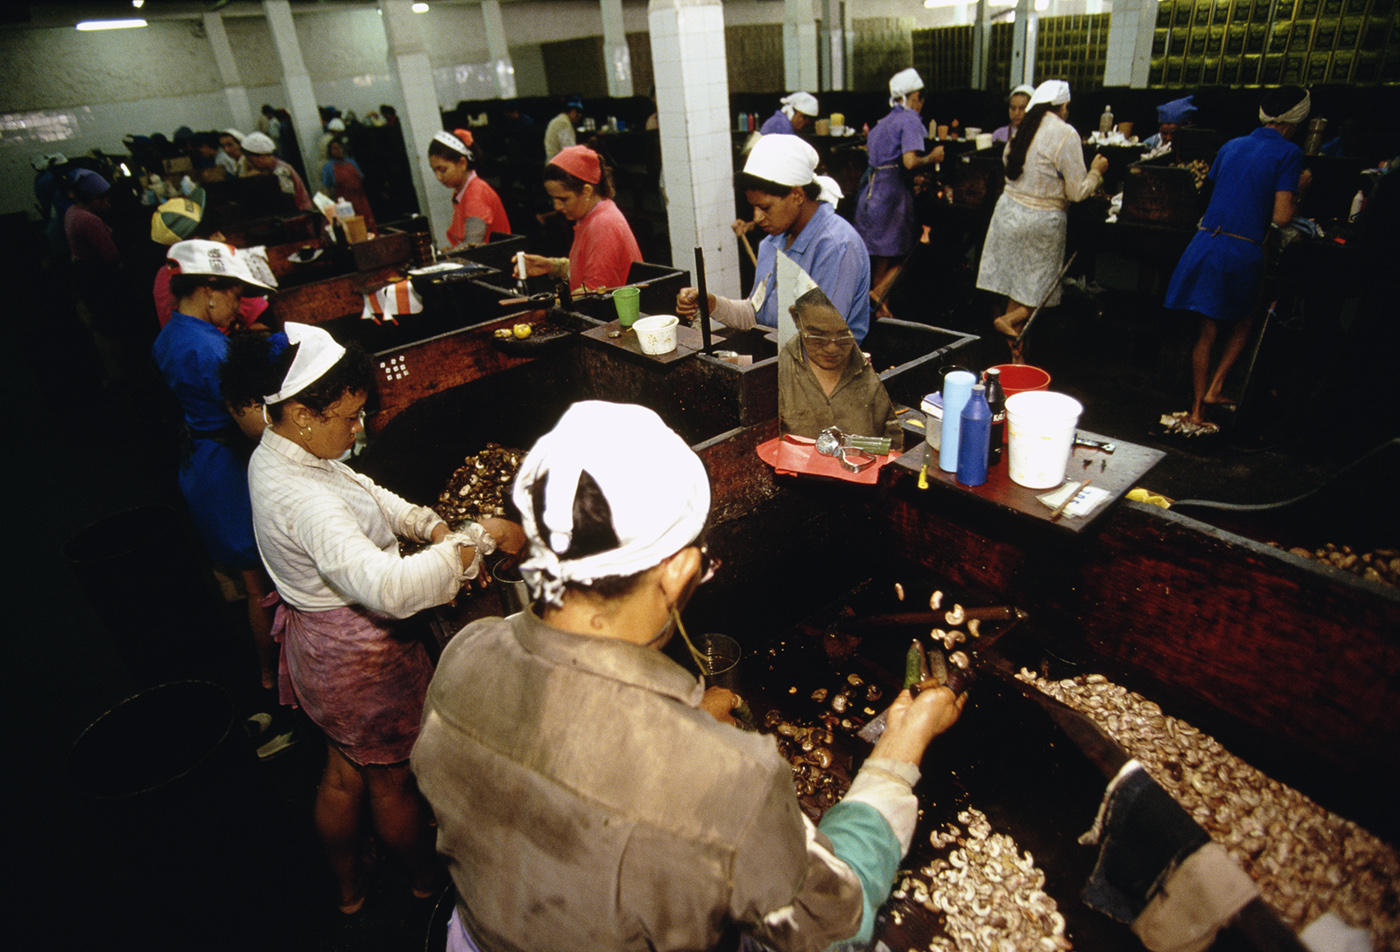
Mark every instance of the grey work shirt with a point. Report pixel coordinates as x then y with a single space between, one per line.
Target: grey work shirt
585 802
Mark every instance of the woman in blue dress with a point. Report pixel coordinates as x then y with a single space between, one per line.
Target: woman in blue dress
1254 182
885 209
794 113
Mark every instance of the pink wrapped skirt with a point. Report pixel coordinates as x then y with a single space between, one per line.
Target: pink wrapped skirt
357 681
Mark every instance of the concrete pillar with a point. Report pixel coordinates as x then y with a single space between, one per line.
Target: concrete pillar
301 98
1130 27
237 94
1023 33
692 100
499 49
421 117
617 58
833 45
799 45
981 42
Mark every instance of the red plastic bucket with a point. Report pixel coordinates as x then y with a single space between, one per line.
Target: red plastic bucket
1018 378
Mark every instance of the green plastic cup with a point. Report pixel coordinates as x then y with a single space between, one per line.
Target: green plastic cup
628 301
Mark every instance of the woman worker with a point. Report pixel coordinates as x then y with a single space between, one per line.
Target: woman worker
207 280
885 209
1015 111
795 113
341 177
824 379
1025 245
590 793
603 249
454 163
1254 181
327 536
794 206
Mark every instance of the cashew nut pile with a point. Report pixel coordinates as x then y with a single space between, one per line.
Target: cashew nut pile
1305 860
1378 565
984 892
479 486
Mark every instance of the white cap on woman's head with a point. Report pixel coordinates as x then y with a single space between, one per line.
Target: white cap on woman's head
1055 92
259 143
316 353
903 83
655 487
804 103
218 260
789 160
1025 89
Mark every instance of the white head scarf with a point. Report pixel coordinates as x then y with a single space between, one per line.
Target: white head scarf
317 352
1053 91
789 160
1025 89
654 484
804 103
1295 116
903 83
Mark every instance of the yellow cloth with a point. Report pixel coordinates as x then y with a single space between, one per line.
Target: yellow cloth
1200 897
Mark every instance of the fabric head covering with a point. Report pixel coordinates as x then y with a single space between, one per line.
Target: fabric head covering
804 103
317 352
177 219
88 184
336 125
903 83
654 484
259 143
574 103
1054 92
215 258
1177 110
1025 89
458 140
789 160
238 136
1294 115
581 162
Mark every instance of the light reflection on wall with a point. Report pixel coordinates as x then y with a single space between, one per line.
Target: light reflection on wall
42 126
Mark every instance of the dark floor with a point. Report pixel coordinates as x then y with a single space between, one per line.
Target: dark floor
81 452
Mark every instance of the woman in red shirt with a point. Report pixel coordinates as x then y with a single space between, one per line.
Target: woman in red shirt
452 159
604 247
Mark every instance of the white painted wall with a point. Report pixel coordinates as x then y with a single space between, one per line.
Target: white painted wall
164 76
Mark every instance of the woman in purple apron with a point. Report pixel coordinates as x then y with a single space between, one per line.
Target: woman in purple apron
328 537
885 209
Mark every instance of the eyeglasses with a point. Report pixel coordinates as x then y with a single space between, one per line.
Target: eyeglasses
349 418
827 340
708 565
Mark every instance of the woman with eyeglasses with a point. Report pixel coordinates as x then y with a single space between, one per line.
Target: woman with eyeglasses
328 536
590 793
825 380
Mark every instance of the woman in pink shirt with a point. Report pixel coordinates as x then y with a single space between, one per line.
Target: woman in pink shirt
453 162
604 247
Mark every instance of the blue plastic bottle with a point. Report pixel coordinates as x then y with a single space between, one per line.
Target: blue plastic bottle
957 385
974 434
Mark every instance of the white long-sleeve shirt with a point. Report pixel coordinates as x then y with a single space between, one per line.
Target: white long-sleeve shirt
1054 174
327 536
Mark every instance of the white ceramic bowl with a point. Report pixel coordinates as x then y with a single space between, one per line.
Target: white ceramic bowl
656 334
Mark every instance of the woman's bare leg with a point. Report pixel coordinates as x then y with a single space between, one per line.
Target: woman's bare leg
882 275
1234 346
337 813
1200 367
401 823
1009 326
257 585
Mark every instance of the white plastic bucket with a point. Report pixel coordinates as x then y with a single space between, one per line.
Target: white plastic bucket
983 140
1040 435
656 334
